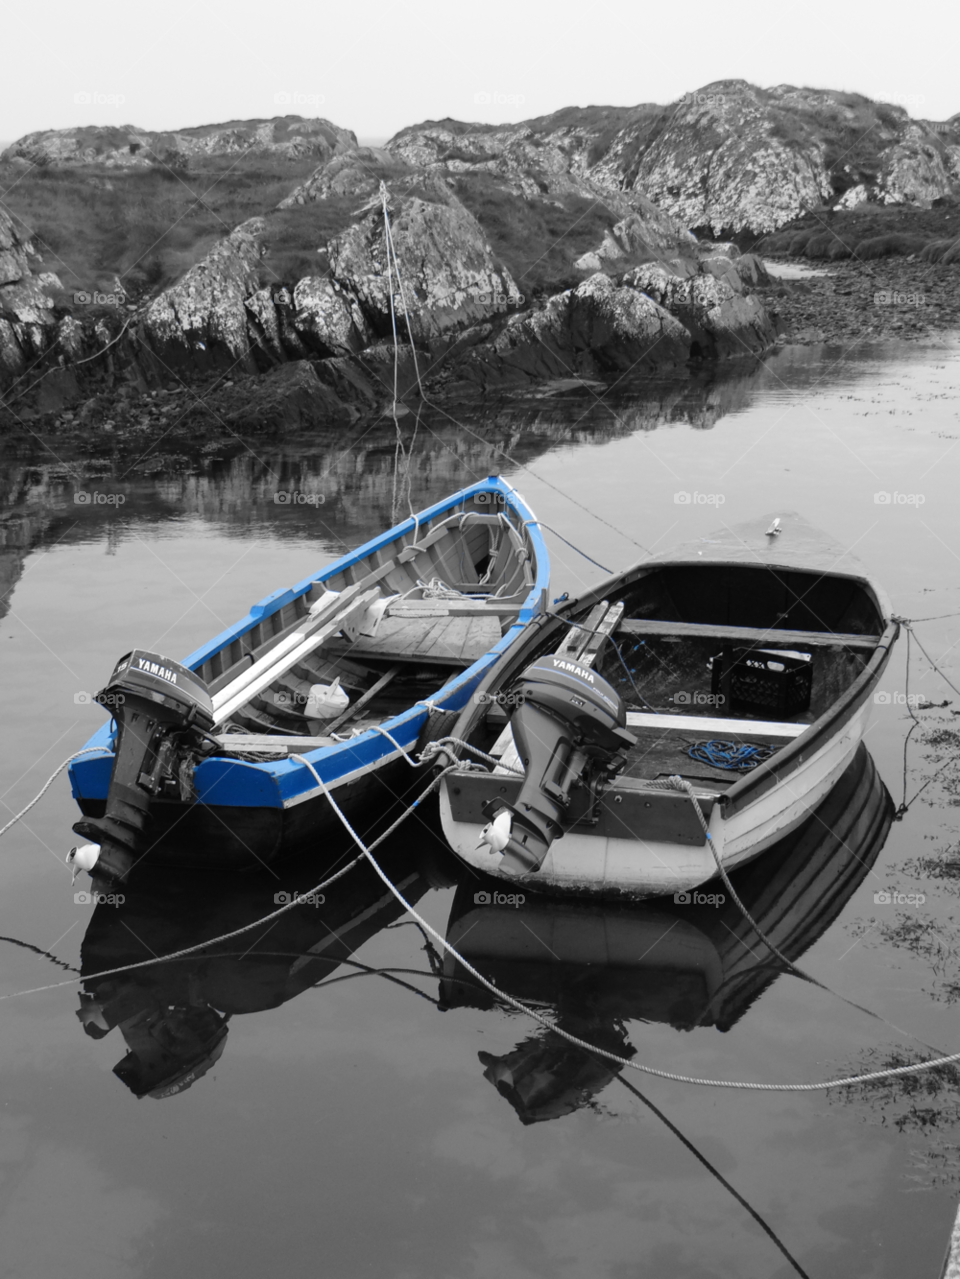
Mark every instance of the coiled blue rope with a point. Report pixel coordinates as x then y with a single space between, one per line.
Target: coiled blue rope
736 757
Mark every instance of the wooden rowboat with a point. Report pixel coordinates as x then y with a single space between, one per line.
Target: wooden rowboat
759 646
351 670
604 965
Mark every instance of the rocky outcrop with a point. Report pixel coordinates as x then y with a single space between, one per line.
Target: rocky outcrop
596 329
28 325
126 146
450 277
733 158
203 319
729 158
917 169
356 173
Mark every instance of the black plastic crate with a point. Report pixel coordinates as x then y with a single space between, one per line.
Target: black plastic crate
762 681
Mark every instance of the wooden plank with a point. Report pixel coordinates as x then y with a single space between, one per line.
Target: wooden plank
577 637
362 701
451 608
272 744
445 641
279 660
588 654
714 726
748 634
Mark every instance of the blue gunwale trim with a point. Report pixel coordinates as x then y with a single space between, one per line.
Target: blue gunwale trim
238 783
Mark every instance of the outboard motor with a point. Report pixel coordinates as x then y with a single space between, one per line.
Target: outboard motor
569 730
159 706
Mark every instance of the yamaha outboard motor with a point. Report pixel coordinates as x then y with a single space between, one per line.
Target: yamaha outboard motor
569 730
159 706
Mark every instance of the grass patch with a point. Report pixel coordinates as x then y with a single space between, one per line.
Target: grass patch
537 241
885 246
146 226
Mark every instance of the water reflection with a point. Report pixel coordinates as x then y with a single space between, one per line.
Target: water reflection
53 496
686 965
174 1017
596 967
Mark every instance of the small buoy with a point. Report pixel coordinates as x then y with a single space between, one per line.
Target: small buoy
774 530
496 834
83 857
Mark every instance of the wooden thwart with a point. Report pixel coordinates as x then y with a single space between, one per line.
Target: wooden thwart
748 634
454 641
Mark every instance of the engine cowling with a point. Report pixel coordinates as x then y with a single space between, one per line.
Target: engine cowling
158 705
570 730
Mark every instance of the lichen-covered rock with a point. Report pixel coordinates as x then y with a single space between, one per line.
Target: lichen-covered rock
913 170
635 238
735 158
203 317
328 319
28 324
125 146
352 173
720 164
589 331
720 319
450 277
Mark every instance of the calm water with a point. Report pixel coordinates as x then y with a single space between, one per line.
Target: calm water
348 1127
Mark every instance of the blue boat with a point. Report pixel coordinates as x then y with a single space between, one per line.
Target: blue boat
353 669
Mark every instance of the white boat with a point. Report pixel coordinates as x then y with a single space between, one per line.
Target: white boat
758 647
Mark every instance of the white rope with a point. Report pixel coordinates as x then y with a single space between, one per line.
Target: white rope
844 1082
87 750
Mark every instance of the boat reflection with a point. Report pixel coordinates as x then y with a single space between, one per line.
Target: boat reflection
684 964
591 966
174 1016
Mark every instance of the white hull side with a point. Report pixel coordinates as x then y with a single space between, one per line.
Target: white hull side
582 863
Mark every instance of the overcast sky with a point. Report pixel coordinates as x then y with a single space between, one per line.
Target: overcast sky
379 66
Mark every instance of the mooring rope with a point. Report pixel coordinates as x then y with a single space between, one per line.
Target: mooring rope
844 1082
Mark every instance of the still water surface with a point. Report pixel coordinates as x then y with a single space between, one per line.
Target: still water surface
353 1124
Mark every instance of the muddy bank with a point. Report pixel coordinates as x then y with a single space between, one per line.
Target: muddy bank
866 301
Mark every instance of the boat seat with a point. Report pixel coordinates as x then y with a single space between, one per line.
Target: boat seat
443 640
744 634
